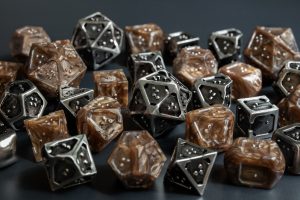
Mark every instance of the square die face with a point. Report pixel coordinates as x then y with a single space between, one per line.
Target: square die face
263 125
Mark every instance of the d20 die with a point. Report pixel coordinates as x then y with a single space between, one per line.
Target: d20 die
288 139
54 65
69 162
226 45
190 166
21 100
212 90
8 145
142 64
46 129
137 159
101 120
159 102
256 117
97 39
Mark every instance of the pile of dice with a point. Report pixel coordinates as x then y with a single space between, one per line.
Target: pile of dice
41 93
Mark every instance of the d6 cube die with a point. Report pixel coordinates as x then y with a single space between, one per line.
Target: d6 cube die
212 90
8 144
190 166
288 139
256 117
69 162
226 45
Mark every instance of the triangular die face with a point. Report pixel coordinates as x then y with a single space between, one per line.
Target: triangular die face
101 56
137 102
185 97
170 106
176 176
79 39
93 30
226 46
143 120
107 39
161 125
187 149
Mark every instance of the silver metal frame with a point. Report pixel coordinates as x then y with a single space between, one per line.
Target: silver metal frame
8 145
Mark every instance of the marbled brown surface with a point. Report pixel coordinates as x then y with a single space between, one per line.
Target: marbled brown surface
254 163
145 38
137 159
112 83
23 38
247 80
289 108
101 120
8 73
269 48
210 127
46 129
192 63
55 64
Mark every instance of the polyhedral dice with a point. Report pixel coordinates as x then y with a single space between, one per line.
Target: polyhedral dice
101 120
210 127
289 77
8 144
46 129
212 90
75 98
21 100
23 38
289 108
54 65
256 117
269 48
112 83
176 41
145 38
192 63
226 45
69 162
159 102
254 163
190 166
97 39
288 139
8 73
137 159
142 64
247 80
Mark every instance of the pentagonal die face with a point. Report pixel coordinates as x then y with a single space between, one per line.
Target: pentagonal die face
97 39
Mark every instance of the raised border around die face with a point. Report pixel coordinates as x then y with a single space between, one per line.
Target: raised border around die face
252 115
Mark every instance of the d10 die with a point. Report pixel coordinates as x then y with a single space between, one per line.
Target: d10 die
54 65
8 73
69 162
142 64
226 45
190 166
97 39
212 90
8 145
137 159
289 77
159 102
288 139
21 100
256 117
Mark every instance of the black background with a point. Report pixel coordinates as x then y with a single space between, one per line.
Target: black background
27 180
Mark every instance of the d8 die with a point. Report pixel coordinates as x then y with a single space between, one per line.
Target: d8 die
190 166
20 101
288 139
142 64
69 162
212 90
256 117
8 73
226 45
112 83
97 39
46 129
176 41
289 77
269 48
159 102
8 144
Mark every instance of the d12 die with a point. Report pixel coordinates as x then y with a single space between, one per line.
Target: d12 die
97 39
212 90
69 162
8 145
190 166
257 117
